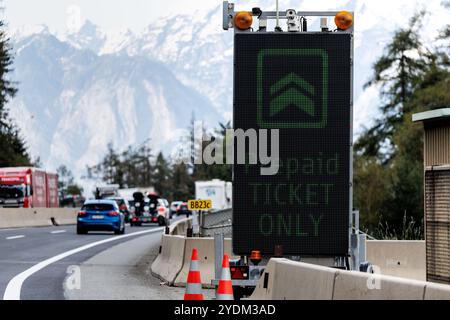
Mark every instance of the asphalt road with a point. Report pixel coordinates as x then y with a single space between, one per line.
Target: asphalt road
34 262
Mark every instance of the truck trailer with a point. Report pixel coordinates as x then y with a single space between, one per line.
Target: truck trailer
27 187
220 192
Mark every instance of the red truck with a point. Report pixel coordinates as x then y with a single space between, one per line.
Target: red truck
25 187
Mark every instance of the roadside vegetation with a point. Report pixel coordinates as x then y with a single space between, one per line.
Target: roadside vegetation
412 77
13 151
140 167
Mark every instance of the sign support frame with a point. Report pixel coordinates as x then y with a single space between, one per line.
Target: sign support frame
228 16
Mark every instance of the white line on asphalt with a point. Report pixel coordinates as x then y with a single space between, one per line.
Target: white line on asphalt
10 229
15 237
58 231
14 287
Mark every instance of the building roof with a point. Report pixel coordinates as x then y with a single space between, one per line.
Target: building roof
437 114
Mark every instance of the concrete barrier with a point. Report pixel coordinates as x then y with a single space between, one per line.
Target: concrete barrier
435 291
285 279
169 262
264 291
364 286
405 259
180 227
36 217
173 262
66 216
289 280
206 254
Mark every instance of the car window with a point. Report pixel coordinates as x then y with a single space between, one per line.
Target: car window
98 207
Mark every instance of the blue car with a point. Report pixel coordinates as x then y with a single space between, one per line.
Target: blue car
100 215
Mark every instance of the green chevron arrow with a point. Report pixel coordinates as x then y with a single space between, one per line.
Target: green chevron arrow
292 78
292 96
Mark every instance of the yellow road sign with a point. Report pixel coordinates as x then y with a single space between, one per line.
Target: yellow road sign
203 205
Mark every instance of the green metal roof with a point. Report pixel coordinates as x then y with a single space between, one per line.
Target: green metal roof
431 115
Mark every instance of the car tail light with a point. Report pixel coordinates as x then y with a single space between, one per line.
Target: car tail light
161 209
113 213
82 213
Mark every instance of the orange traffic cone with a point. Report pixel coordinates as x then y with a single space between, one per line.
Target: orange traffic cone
225 288
194 282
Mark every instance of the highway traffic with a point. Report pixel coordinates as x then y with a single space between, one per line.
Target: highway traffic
36 262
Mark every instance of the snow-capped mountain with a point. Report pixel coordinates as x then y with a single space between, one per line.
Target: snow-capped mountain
81 89
72 102
200 53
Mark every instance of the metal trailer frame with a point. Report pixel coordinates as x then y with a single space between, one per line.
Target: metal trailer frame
356 240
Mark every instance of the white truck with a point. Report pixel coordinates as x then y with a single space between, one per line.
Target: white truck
220 192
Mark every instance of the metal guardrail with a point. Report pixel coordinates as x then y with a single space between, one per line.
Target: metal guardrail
216 222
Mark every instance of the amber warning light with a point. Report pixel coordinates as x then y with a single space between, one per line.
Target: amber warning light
255 257
343 20
243 20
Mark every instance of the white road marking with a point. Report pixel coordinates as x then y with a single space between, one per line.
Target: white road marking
15 237
10 229
14 287
58 231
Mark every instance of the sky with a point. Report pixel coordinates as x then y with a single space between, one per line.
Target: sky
137 14
60 15
108 14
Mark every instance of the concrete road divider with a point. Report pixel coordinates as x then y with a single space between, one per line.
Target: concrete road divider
397 258
180 227
316 281
205 247
172 263
65 216
365 286
289 280
36 217
285 279
169 262
435 291
264 289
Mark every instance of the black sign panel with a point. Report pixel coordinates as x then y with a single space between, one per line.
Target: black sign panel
299 83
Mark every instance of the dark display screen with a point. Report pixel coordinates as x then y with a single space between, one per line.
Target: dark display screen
299 83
